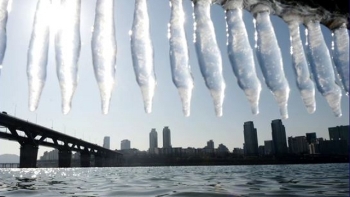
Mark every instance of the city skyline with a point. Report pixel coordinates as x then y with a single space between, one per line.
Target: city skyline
248 127
296 144
339 131
127 119
306 144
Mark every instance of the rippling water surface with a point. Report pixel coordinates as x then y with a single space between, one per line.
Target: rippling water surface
272 180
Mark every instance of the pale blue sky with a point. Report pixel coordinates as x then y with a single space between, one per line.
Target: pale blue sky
127 119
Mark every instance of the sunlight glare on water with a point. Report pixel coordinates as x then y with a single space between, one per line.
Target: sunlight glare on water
264 180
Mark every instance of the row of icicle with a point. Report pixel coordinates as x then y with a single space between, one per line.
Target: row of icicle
104 49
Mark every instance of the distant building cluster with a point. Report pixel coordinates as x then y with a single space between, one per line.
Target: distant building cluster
50 155
280 145
308 144
53 155
167 148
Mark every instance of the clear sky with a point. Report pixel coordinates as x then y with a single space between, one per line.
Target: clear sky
127 119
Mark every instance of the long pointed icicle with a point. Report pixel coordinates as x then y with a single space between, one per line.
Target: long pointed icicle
241 54
270 58
38 53
3 36
208 52
142 53
300 64
67 46
341 55
179 55
321 67
104 51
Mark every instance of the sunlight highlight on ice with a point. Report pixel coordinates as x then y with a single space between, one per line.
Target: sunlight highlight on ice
270 58
179 55
322 68
208 53
9 6
104 51
142 54
67 47
38 52
5 8
300 64
241 54
341 55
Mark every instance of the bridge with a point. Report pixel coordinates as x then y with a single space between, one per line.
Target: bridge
30 136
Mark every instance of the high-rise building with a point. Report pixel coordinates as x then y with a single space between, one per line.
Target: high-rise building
339 133
298 145
269 147
261 150
210 144
166 138
279 137
222 149
125 145
311 138
106 142
153 141
250 139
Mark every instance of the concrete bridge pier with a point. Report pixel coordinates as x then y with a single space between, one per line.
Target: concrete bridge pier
112 160
99 160
28 156
119 160
64 158
85 159
109 160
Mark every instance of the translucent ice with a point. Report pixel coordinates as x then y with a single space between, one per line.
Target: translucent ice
67 47
142 53
104 50
3 36
270 58
241 55
179 55
341 55
321 67
38 52
301 68
208 53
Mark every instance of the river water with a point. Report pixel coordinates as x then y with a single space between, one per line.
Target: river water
262 180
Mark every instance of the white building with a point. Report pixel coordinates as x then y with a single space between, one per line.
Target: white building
106 142
125 145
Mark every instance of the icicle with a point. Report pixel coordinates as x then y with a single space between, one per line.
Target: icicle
4 9
300 66
208 52
38 52
179 55
341 55
270 58
321 67
142 53
67 46
241 54
104 50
